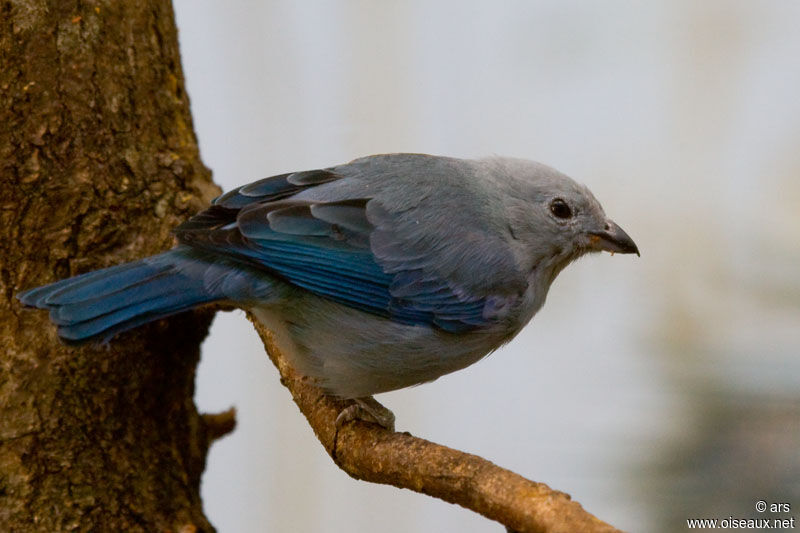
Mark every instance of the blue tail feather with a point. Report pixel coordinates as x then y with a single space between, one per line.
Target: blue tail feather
104 283
98 305
139 292
129 317
50 294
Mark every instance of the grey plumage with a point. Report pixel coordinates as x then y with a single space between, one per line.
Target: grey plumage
386 272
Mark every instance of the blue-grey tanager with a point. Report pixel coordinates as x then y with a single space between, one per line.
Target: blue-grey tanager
385 272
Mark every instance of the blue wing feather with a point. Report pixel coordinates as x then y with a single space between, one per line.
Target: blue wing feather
327 248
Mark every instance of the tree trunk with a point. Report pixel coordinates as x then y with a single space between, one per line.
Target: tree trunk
98 160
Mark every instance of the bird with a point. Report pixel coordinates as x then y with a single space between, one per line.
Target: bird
378 274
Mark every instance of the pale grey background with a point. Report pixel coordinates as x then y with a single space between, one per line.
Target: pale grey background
652 389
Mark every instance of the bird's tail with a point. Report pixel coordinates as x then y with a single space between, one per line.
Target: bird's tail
98 305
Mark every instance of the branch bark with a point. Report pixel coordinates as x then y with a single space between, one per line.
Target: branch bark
372 453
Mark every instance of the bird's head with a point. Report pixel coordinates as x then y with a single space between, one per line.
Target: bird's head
554 219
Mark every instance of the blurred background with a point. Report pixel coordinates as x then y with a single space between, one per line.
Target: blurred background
651 389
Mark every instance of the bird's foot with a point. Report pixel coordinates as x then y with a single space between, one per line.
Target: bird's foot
368 410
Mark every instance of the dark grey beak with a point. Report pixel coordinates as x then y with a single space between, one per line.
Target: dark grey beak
613 239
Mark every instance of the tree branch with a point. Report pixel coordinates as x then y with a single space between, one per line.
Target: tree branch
371 453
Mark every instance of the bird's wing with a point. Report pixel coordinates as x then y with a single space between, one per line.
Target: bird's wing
344 234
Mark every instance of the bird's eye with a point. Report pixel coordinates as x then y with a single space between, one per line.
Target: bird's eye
560 209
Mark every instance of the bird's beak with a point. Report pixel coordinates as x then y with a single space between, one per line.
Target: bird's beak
612 239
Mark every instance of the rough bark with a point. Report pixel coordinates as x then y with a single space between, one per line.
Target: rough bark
98 160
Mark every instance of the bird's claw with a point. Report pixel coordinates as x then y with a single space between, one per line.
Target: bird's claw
368 410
